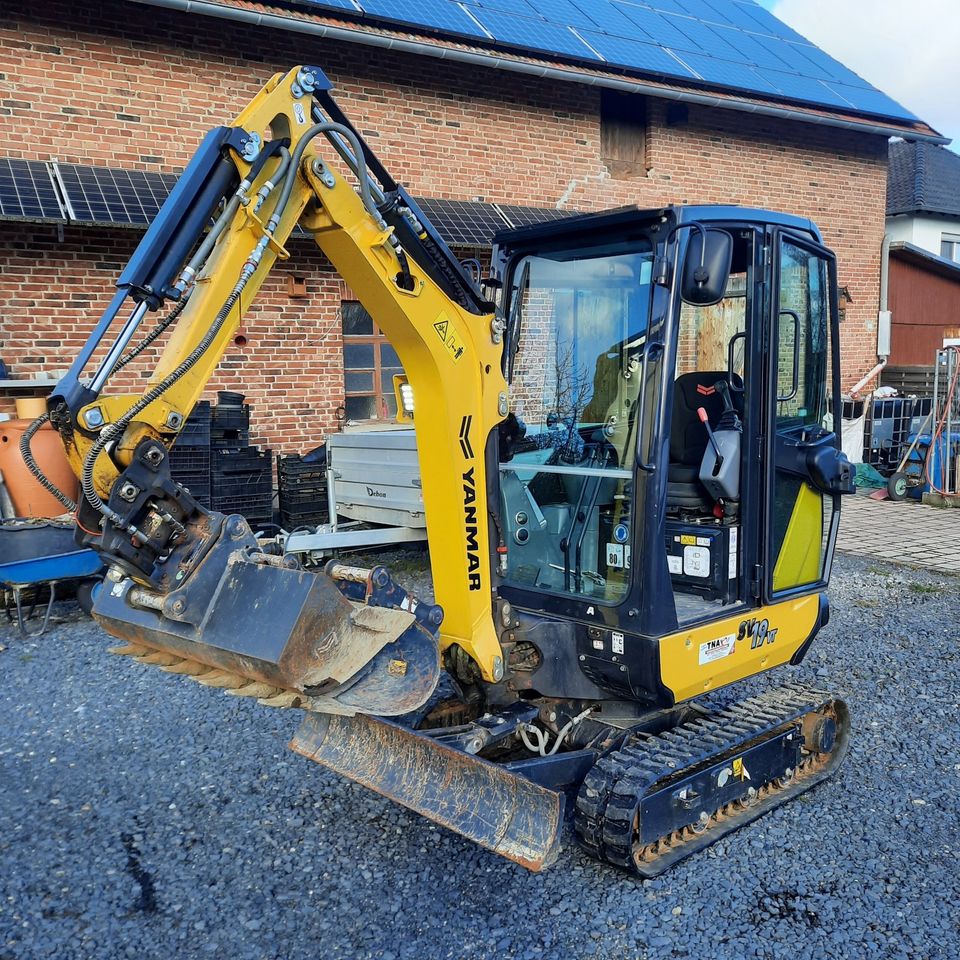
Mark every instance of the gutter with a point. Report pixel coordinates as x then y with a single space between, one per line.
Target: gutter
496 62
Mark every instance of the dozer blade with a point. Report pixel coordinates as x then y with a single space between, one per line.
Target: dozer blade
285 635
481 801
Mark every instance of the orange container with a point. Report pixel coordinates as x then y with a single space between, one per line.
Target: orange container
29 497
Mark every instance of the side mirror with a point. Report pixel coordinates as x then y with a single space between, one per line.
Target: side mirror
706 268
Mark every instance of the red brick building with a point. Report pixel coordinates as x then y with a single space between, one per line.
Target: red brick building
133 86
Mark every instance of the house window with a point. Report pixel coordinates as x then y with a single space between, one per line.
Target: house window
950 246
623 133
369 365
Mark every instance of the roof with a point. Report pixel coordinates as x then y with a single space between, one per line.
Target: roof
735 46
923 178
607 223
911 253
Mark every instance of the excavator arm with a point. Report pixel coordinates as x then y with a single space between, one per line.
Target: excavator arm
192 591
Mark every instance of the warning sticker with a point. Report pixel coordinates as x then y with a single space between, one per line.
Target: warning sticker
448 336
717 649
616 642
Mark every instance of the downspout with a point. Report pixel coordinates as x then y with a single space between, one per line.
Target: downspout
884 318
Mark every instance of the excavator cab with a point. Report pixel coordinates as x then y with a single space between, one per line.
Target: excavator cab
675 459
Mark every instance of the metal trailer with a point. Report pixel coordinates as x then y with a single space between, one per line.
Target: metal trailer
374 495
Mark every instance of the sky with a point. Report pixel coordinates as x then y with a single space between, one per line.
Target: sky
909 49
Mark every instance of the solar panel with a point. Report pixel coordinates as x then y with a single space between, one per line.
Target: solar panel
27 192
659 29
335 4
699 9
533 34
462 222
757 18
564 13
670 6
522 8
792 54
519 216
437 14
871 101
751 49
833 69
608 19
728 73
802 88
103 195
633 53
702 38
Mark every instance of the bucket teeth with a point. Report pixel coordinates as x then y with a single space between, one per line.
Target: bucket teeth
255 689
129 650
160 659
282 700
221 679
188 668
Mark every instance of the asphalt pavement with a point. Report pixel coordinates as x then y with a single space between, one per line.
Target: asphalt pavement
145 816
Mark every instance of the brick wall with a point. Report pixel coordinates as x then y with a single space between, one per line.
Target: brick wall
125 85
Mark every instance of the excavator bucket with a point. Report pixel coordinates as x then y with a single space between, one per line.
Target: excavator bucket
343 641
486 803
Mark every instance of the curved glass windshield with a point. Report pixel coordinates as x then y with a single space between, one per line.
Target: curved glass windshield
578 329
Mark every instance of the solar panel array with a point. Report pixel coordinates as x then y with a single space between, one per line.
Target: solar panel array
102 195
27 192
32 190
735 44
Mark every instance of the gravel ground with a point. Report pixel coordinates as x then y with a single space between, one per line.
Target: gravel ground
145 816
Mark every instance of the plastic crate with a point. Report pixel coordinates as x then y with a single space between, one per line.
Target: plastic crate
196 431
197 484
253 506
230 419
240 484
240 459
190 459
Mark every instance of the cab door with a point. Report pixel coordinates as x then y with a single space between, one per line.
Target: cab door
806 469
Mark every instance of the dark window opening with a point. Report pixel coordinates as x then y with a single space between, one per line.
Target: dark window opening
369 366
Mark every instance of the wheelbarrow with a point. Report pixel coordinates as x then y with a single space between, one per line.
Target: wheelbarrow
38 553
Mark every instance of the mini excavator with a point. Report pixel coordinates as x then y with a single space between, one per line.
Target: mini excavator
631 474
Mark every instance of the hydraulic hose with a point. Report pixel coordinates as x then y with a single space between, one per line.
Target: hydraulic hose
33 467
363 175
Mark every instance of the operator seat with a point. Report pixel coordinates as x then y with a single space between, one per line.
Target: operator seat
688 436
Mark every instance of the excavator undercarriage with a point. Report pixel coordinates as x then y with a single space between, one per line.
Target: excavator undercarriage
629 506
